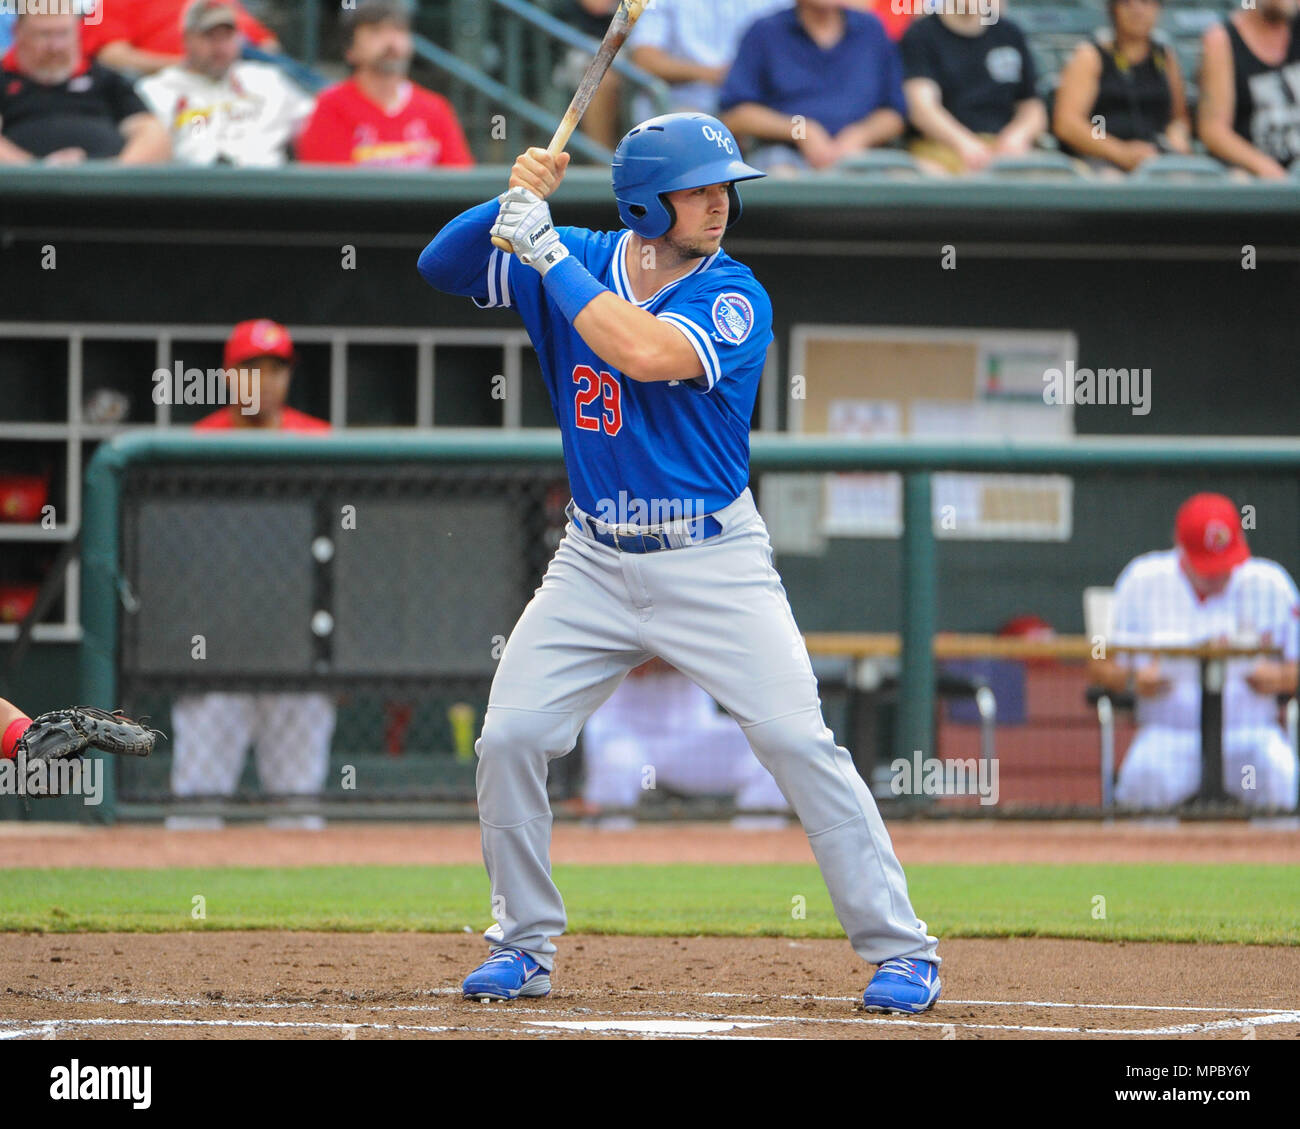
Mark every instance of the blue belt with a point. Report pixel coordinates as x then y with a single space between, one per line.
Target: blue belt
651 540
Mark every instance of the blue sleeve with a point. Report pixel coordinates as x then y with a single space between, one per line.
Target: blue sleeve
729 325
744 82
461 259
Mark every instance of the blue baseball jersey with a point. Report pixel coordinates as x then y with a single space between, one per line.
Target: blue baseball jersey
635 451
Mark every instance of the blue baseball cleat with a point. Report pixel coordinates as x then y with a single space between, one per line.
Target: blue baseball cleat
506 975
902 985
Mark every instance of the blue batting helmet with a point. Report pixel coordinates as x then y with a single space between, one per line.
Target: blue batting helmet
669 153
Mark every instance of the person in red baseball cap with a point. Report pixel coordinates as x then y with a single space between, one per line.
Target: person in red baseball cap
1210 540
289 732
265 347
1206 588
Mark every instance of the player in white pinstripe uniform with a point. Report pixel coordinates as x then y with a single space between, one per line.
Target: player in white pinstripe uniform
1207 588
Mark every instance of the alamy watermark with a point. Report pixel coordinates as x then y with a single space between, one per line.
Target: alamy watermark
987 10
933 776
647 512
1103 386
67 776
215 387
90 11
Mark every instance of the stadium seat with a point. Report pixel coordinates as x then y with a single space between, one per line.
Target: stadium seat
1039 165
1174 166
880 163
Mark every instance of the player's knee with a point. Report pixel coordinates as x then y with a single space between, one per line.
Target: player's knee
795 738
522 735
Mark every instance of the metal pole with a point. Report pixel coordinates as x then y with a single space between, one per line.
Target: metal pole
99 598
311 32
916 699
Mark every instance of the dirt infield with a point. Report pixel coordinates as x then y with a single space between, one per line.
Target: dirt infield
367 986
956 841
394 985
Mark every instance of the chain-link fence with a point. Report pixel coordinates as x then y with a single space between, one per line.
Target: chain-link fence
315 623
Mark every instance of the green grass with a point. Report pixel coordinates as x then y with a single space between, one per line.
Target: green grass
1230 903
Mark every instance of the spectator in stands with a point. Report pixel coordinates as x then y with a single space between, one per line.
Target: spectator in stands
219 109
814 84
57 107
380 118
1129 81
290 732
601 121
1206 589
660 731
1249 111
143 36
970 90
691 46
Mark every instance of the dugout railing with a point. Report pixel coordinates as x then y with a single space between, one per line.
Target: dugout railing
403 623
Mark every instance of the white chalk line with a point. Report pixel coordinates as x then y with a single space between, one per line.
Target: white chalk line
1255 1017
99 997
45 1028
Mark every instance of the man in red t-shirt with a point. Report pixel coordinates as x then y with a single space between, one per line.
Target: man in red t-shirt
143 36
266 347
379 118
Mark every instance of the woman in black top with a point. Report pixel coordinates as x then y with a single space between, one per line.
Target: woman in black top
1249 112
1121 99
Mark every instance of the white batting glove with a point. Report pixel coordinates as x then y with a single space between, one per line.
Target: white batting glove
525 223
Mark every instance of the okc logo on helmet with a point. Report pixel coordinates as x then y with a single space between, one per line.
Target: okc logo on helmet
1217 536
719 138
733 315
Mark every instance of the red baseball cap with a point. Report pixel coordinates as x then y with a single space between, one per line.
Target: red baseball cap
258 338
1208 528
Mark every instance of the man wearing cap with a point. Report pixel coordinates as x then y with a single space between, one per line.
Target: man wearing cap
265 347
1207 588
221 109
144 36
290 732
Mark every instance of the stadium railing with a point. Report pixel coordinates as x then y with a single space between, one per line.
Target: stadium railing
238 539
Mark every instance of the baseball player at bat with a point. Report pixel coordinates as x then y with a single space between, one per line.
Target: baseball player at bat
651 342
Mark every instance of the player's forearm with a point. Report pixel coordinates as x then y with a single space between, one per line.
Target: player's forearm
939 125
1229 146
877 128
1028 123
147 142
761 122
636 342
457 256
670 68
11 154
1110 674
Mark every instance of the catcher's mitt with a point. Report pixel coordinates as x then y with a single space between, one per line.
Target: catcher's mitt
68 733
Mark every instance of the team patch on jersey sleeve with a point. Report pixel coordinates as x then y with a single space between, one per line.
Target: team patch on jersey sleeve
733 317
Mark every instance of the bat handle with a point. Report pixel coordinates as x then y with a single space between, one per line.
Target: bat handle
502 245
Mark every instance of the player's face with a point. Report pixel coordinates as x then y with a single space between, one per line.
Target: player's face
272 384
384 47
48 47
214 52
701 220
1136 18
1203 584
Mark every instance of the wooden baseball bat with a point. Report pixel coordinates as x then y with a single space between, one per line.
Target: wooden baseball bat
629 11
